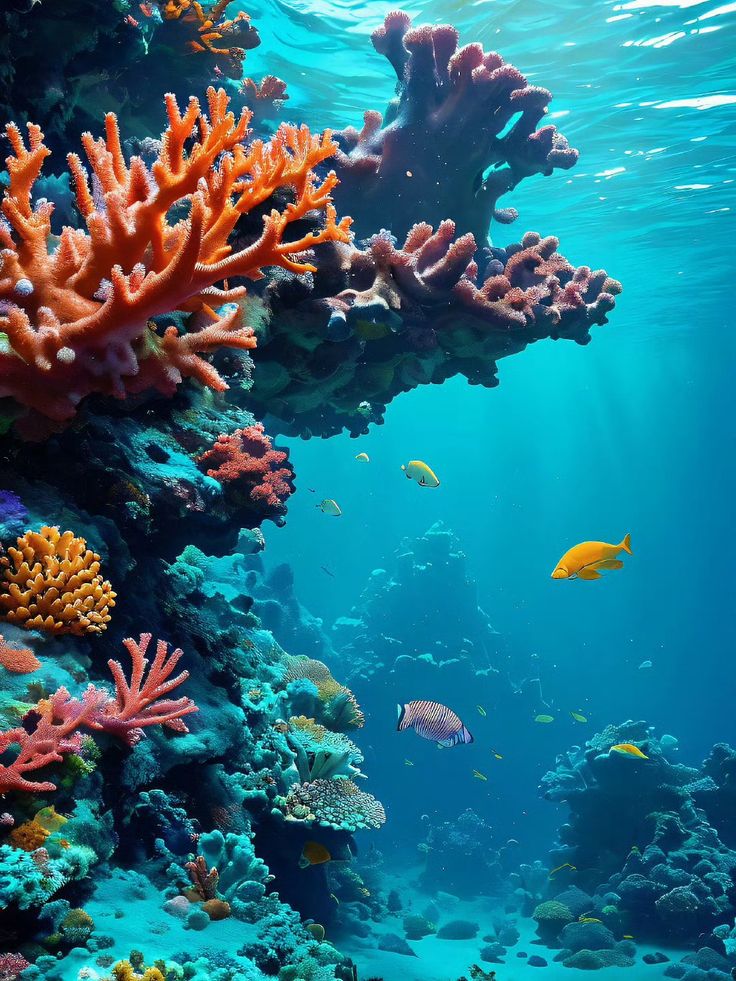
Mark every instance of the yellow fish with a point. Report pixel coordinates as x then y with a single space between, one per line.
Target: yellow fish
497 755
629 749
363 458
481 711
584 561
480 776
424 476
560 868
589 919
578 717
627 936
313 854
544 718
328 506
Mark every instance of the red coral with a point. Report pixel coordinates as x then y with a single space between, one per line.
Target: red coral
11 966
60 718
247 459
17 660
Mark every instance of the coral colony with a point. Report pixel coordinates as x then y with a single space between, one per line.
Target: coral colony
172 292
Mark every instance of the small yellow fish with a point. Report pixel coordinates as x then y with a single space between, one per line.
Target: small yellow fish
497 755
481 711
544 718
589 919
328 506
578 717
630 750
561 868
480 776
627 936
424 476
585 560
363 458
408 763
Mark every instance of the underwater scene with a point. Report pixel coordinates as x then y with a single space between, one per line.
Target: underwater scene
366 475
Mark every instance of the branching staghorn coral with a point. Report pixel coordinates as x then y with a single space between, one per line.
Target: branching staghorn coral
52 582
211 33
78 317
61 719
334 803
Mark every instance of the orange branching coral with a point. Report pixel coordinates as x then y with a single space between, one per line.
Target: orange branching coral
77 314
52 582
18 660
212 33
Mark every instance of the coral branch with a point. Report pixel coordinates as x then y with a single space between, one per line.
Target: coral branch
79 317
59 719
462 132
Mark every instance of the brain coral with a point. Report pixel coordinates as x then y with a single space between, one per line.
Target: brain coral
52 582
336 803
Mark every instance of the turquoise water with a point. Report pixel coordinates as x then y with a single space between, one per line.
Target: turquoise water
412 593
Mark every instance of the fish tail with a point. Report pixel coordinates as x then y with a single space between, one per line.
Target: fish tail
626 544
400 717
466 735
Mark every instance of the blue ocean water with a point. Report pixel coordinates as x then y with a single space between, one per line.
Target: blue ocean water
442 594
629 434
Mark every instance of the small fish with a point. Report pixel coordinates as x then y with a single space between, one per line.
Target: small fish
328 506
146 9
335 899
432 720
408 763
363 458
578 717
480 776
424 476
313 854
311 490
497 755
560 868
325 569
584 561
645 664
481 711
627 936
589 919
131 20
544 718
629 749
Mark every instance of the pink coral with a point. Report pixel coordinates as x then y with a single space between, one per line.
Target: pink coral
11 966
60 719
247 461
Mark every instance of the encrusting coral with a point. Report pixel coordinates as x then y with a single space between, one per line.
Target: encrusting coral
339 707
18 660
78 317
51 581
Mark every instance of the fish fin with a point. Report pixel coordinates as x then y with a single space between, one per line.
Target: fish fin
588 573
626 544
609 564
467 735
400 713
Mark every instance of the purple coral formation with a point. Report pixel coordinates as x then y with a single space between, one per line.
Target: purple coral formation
461 132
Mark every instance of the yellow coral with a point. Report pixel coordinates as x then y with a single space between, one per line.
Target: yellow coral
329 690
52 582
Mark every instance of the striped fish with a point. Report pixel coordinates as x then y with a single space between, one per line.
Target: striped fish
431 720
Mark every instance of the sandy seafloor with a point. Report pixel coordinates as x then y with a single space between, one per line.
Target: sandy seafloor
449 960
